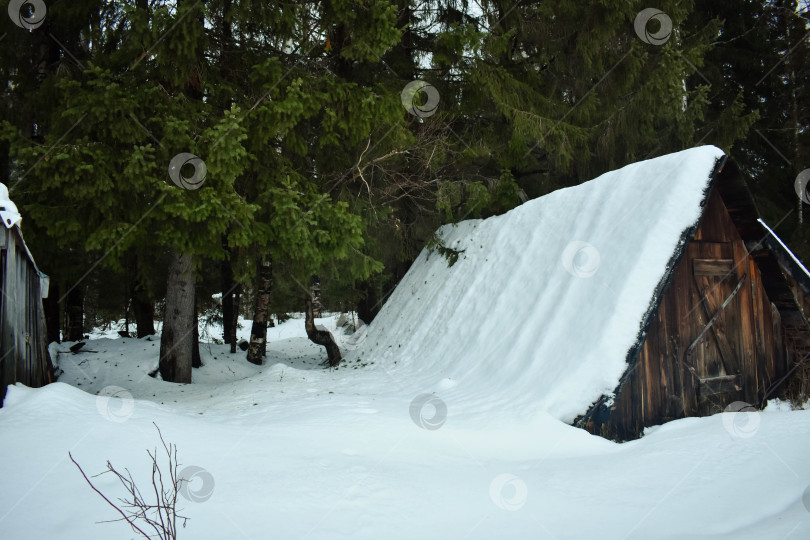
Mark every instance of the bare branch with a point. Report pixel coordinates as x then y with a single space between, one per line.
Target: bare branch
161 516
125 517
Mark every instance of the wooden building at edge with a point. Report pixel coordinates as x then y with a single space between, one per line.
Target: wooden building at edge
24 354
727 323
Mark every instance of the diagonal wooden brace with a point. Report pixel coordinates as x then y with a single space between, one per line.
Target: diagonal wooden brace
687 355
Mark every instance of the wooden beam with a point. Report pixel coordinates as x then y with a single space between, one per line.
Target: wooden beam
724 384
712 267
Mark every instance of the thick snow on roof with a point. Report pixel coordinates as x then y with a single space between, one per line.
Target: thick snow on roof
8 210
545 301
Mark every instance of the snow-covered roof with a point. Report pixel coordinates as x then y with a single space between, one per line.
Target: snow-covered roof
8 210
545 301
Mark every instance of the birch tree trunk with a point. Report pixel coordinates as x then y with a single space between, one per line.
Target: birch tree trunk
258 332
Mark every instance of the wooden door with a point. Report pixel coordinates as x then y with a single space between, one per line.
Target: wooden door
715 356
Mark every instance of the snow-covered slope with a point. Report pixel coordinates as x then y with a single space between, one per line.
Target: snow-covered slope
545 301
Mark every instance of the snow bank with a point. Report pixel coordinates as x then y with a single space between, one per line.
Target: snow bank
545 301
354 466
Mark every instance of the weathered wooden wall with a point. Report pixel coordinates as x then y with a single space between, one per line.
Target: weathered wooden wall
738 358
23 343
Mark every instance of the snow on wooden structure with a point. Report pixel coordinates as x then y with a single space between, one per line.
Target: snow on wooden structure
650 293
24 354
727 325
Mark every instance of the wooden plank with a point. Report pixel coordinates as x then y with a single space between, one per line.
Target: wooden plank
712 226
712 267
689 324
724 384
668 360
745 337
778 340
763 342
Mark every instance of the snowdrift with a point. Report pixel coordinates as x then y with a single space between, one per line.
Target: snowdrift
545 301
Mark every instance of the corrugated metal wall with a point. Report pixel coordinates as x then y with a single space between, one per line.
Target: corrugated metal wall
23 339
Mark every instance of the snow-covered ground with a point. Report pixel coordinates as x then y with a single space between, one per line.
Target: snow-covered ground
292 450
447 421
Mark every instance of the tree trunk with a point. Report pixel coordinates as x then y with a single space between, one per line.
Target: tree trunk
177 338
127 309
340 39
315 296
797 125
270 324
237 293
228 297
144 312
230 289
790 74
320 336
75 314
258 333
51 307
227 310
143 309
196 361
369 305
139 302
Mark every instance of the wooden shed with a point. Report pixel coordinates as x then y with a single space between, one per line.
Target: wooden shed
23 339
727 323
